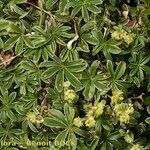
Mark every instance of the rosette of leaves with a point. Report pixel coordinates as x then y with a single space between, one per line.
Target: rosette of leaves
106 46
64 122
93 81
64 70
85 6
7 105
139 68
115 81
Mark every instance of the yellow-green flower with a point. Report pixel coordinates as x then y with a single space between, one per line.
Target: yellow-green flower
123 112
34 117
39 119
116 97
121 34
118 34
66 84
78 122
31 116
69 95
137 147
124 118
128 138
90 122
98 108
128 38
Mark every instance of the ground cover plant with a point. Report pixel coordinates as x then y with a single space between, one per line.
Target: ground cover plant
74 74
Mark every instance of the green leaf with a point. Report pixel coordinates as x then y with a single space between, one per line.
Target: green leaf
10 42
15 28
52 122
58 114
73 79
97 49
85 14
61 138
110 68
100 86
89 91
50 72
62 5
59 80
3 24
114 49
147 120
75 10
32 127
147 100
79 131
93 9
28 42
19 1
69 113
72 140
27 65
94 67
120 70
76 66
50 3
94 144
1 43
12 96
145 60
114 136
49 64
11 115
148 109
19 46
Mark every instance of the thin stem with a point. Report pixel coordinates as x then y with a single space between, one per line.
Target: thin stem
41 9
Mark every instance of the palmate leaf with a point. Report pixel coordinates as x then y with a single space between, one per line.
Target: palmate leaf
92 81
106 46
114 81
10 42
67 70
85 6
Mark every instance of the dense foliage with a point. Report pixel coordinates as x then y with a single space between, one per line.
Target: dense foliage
74 74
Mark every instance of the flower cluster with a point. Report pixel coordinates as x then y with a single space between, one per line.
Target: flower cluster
34 117
128 137
121 34
122 110
69 94
137 147
93 112
78 122
117 97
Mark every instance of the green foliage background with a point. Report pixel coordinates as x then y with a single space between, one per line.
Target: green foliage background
45 43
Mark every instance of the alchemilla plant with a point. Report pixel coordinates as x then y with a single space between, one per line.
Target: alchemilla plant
74 74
